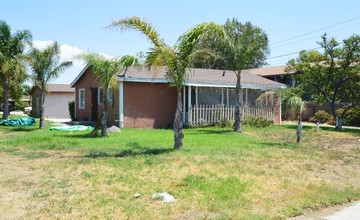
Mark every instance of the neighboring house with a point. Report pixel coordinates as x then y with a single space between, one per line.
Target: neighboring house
276 73
144 98
56 103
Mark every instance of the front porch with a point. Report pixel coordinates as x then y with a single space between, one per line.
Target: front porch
211 105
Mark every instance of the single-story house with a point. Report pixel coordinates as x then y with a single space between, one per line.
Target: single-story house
144 98
56 100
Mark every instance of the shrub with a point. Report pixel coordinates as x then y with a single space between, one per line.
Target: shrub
321 116
352 117
224 123
257 122
72 110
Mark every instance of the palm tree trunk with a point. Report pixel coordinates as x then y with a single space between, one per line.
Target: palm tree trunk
178 123
238 106
104 119
6 96
42 108
299 130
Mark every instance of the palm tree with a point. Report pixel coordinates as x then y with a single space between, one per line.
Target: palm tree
175 59
106 70
289 100
45 65
12 67
246 47
295 102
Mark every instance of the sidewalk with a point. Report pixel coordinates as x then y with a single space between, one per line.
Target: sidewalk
313 124
349 211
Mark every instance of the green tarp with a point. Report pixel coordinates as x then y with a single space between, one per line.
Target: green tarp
72 128
18 122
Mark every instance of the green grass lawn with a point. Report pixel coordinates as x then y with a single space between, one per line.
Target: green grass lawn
259 174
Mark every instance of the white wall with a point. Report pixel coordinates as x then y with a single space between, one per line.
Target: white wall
57 105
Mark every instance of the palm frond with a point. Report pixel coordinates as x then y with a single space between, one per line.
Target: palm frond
141 25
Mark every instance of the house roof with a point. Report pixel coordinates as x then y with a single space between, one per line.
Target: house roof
197 77
52 88
203 77
270 71
57 88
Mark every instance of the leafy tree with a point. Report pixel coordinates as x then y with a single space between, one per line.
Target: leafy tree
333 76
106 70
296 102
45 65
12 67
176 58
244 47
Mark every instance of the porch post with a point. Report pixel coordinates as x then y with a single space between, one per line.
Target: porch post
246 95
121 103
222 95
196 96
189 104
184 101
227 96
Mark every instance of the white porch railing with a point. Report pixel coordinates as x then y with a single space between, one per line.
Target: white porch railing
212 114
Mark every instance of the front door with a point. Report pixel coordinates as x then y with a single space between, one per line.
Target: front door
94 104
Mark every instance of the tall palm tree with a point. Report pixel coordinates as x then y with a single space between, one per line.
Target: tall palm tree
45 65
106 70
12 67
246 47
175 59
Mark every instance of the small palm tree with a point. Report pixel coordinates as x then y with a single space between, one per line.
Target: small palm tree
106 69
289 100
295 102
12 67
45 65
175 59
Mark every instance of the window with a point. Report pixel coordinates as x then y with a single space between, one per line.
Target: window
81 98
110 96
100 96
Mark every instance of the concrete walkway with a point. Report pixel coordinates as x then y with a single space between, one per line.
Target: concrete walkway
313 124
349 213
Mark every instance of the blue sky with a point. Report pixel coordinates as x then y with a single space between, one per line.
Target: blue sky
79 25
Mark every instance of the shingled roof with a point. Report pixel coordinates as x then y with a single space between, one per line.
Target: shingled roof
197 77
269 71
52 88
203 77
57 88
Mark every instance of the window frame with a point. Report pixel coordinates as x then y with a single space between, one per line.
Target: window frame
80 99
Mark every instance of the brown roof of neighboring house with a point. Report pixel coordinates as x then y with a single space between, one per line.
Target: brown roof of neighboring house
51 88
203 77
270 71
57 88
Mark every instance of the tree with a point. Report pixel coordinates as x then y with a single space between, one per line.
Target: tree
176 59
106 70
12 67
296 102
244 47
333 76
45 65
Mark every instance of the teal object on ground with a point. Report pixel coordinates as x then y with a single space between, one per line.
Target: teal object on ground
28 121
72 128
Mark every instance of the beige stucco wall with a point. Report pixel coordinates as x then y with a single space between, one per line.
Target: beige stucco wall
57 105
